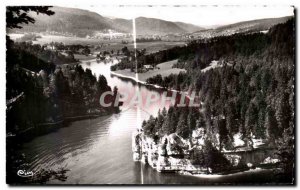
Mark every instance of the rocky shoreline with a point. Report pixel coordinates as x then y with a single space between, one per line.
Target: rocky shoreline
172 153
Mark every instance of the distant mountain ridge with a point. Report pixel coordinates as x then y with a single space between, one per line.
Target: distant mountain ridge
260 25
82 23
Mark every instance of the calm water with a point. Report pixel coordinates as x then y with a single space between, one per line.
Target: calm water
98 151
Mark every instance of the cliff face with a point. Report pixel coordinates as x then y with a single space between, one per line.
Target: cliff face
196 155
169 154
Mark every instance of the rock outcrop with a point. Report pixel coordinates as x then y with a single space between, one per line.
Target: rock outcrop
172 153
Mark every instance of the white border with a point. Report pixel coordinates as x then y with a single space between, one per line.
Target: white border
4 3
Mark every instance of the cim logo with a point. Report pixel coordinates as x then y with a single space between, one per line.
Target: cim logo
24 173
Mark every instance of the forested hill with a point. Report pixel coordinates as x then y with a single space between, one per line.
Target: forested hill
250 93
260 25
41 95
199 53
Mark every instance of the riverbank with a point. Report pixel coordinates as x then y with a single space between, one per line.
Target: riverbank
231 174
164 69
137 80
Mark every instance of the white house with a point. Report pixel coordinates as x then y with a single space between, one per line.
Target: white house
148 67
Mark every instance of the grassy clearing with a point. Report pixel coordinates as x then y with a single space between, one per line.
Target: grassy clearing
165 69
152 47
84 57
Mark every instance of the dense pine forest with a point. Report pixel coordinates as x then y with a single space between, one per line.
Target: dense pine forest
44 93
251 92
40 92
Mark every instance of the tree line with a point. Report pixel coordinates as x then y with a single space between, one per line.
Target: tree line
252 93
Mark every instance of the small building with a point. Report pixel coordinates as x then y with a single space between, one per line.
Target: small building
50 47
148 67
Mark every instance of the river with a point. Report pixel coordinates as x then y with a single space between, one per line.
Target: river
98 151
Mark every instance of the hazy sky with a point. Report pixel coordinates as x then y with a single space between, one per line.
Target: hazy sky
198 15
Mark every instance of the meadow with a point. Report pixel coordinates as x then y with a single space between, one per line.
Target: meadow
106 45
164 69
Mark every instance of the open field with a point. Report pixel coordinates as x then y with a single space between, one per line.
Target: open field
152 47
165 69
107 45
84 57
69 39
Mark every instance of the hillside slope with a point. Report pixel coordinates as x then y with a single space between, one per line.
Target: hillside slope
261 25
82 23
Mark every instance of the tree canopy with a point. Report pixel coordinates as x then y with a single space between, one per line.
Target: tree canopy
18 15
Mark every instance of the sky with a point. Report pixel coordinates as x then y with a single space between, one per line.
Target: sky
197 15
